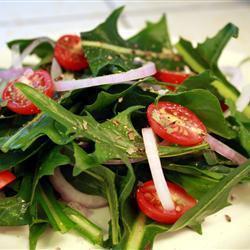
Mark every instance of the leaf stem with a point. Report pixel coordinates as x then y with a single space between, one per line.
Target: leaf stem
166 54
136 236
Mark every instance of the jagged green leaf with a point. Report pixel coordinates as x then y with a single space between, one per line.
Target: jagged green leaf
103 46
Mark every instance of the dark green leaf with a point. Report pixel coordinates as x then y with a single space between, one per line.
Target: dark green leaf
243 126
10 123
118 134
14 210
52 160
193 170
196 186
153 37
13 158
201 81
171 151
103 46
111 137
104 102
99 181
83 161
107 179
127 212
39 126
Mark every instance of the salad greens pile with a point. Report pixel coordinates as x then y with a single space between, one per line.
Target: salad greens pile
83 130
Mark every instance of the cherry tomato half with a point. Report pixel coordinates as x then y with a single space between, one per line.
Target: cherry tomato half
69 54
175 123
6 177
171 77
149 204
17 102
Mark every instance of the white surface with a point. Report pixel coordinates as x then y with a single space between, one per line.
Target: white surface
190 19
22 20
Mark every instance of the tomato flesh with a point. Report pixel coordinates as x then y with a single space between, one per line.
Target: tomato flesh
6 177
149 203
68 52
223 106
175 123
171 77
17 102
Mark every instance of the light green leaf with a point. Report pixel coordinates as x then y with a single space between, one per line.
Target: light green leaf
35 231
205 57
212 48
85 227
56 216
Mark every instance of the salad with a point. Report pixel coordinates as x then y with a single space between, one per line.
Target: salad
154 131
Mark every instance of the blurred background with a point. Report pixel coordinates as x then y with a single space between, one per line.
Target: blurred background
190 19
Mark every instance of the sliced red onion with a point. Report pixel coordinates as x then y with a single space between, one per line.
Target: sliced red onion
80 208
154 162
165 143
56 69
9 74
225 150
235 76
244 98
148 69
70 194
31 47
15 56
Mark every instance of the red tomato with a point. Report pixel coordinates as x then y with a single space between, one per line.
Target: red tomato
69 53
223 106
17 102
175 123
6 177
150 205
171 77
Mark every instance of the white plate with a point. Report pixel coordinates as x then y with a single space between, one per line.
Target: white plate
218 233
